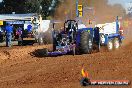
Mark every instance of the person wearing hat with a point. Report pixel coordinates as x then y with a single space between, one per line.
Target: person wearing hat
9 31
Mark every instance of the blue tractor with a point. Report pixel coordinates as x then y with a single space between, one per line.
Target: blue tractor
76 40
72 40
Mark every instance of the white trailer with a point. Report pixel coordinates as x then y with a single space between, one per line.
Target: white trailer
110 34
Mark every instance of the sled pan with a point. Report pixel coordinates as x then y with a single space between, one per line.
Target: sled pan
56 53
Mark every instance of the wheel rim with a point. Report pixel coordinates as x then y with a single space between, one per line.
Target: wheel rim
110 46
116 44
90 43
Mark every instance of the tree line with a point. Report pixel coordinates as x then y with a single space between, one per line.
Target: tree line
44 7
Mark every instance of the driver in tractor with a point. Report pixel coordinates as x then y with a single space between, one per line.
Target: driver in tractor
71 31
71 27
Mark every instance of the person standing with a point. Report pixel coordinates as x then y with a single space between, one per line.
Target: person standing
9 31
19 33
29 28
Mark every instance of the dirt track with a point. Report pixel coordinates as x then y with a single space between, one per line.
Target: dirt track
19 69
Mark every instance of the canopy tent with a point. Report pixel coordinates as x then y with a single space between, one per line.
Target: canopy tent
19 17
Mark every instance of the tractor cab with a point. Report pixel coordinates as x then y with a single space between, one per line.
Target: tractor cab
70 26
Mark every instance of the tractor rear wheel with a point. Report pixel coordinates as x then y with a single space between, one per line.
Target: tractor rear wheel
86 44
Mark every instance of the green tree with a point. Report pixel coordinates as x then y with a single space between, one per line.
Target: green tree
49 7
17 6
44 7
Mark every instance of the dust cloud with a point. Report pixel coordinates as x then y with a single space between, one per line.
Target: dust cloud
95 10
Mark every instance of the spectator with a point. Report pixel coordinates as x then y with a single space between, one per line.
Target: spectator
19 33
9 31
29 28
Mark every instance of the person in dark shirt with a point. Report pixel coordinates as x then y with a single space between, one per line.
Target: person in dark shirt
19 33
9 31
